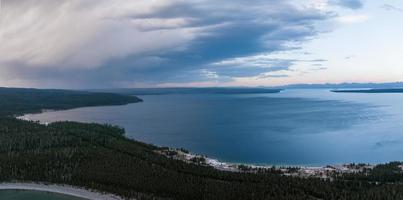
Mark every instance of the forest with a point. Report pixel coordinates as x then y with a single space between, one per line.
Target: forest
100 157
17 101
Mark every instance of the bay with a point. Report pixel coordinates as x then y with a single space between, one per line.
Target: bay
294 127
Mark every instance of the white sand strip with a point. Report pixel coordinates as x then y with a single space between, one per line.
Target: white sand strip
61 189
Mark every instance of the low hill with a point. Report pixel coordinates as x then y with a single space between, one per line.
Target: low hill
17 101
212 90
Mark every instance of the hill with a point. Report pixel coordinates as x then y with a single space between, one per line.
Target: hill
212 90
17 101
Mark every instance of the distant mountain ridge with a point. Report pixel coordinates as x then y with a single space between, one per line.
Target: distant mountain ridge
390 85
247 90
396 90
210 90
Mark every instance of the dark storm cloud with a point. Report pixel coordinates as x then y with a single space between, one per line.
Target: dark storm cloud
234 32
352 4
174 41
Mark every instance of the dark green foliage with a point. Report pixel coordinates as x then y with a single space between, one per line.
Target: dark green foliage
200 160
17 101
384 173
184 150
244 167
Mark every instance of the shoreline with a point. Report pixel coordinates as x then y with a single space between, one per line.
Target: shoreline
323 172
304 171
59 189
214 162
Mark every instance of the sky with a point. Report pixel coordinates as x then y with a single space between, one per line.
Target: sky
198 43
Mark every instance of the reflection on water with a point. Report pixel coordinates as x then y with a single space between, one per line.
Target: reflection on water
311 127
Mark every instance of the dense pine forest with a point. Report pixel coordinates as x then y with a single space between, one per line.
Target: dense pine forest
16 101
101 157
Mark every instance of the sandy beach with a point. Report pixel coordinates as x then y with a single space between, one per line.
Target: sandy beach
61 189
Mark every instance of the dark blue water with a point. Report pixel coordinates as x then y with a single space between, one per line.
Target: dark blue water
308 127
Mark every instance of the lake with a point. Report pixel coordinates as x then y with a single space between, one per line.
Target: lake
294 127
33 195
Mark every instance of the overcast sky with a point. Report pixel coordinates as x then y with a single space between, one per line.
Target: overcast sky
163 43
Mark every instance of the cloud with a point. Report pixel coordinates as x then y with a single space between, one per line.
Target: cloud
258 66
318 68
102 43
390 7
83 34
274 76
353 19
387 143
349 57
250 66
352 4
